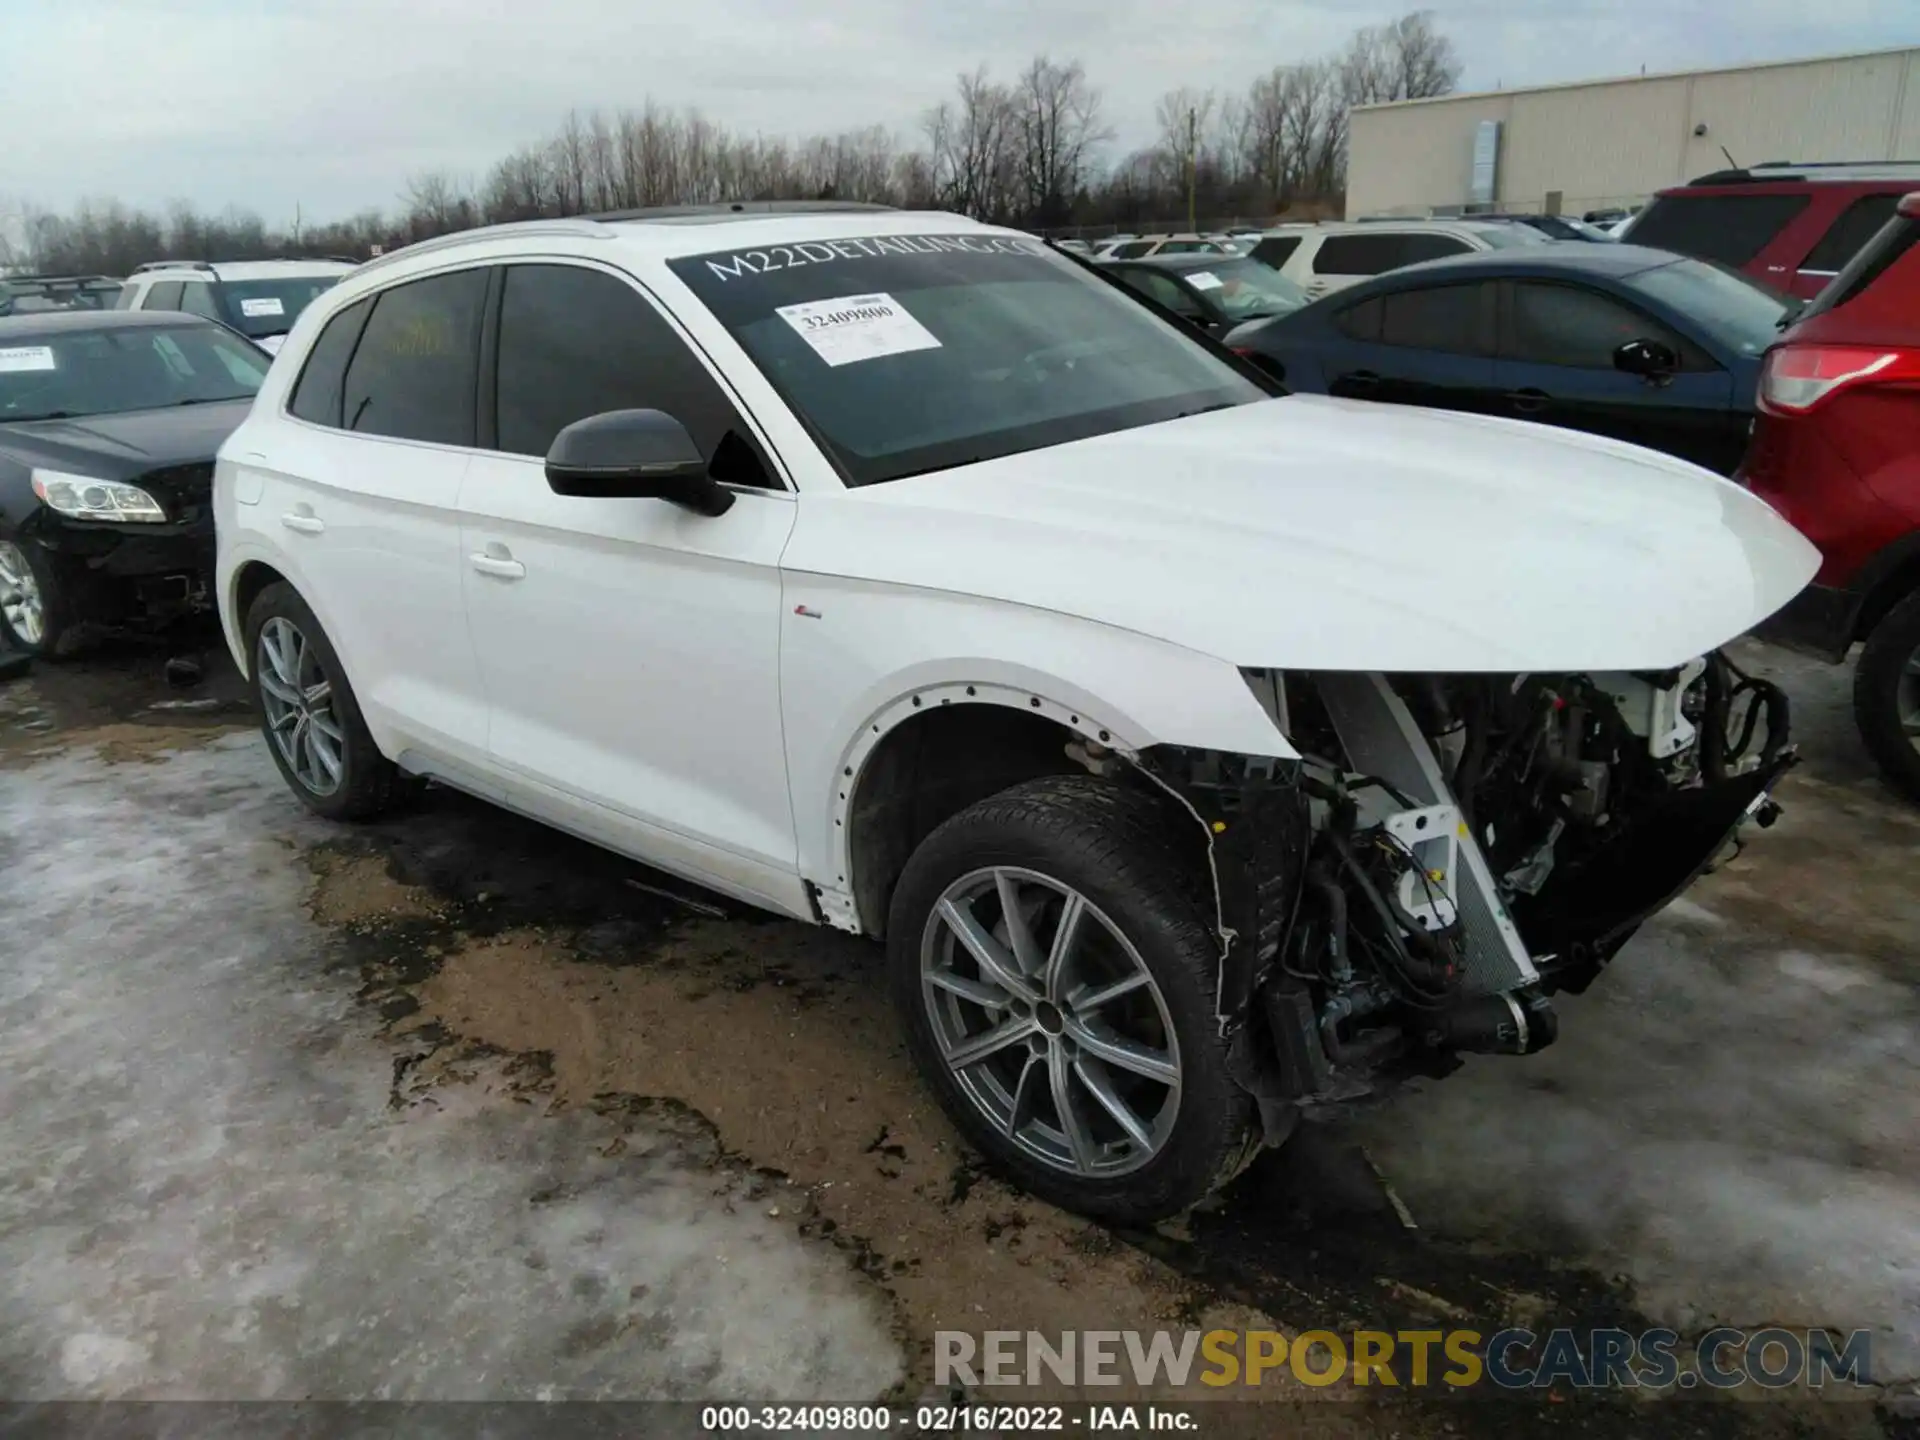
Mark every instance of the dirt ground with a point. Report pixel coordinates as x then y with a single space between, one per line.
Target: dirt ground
492 1057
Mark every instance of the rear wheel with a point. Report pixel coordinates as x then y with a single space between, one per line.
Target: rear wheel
308 713
1886 696
1055 975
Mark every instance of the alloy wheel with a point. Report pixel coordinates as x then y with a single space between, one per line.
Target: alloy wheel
21 602
298 700
1050 1022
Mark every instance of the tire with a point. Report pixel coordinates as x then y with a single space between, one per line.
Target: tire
1054 841
40 601
304 734
1886 696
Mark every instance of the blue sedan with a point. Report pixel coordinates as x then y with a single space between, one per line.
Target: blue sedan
1632 343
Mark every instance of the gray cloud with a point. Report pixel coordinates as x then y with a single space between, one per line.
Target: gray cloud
331 104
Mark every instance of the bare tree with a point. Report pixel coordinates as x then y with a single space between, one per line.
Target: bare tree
1056 118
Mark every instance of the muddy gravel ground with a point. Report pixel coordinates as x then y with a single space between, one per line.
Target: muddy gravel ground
454 1107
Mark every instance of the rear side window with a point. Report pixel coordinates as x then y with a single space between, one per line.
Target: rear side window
317 393
164 296
1276 250
1858 224
1874 260
1446 318
576 342
413 375
1729 228
1358 254
1131 250
1362 321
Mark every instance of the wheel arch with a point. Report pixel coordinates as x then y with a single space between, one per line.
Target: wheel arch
1891 576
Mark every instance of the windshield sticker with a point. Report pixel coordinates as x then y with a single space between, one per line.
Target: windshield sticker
858 327
26 357
264 305
821 252
1204 280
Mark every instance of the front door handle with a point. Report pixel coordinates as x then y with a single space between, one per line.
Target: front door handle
501 567
1528 402
305 521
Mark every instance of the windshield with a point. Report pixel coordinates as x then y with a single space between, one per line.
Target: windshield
908 353
1247 289
65 374
269 307
1736 311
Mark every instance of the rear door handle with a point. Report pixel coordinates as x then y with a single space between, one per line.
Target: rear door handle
1362 379
500 566
1528 402
305 522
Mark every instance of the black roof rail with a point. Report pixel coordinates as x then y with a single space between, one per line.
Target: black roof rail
737 207
55 279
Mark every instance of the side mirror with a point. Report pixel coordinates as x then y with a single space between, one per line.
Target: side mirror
1649 359
634 454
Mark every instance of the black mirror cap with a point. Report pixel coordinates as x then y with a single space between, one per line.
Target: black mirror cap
634 454
1650 359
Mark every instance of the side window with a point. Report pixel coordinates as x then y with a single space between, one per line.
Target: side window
577 342
1856 225
1131 250
1566 325
317 393
1420 246
1358 254
1729 228
1276 250
197 299
1160 288
129 294
164 296
413 375
1362 321
1446 317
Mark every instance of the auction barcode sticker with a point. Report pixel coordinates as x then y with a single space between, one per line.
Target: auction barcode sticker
26 357
262 305
858 327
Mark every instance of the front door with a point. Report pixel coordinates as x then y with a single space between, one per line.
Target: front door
630 647
1556 366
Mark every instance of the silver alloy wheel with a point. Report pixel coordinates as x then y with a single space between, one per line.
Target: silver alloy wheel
1906 699
298 700
20 598
1050 1022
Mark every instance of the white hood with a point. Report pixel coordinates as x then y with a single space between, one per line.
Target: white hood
1321 534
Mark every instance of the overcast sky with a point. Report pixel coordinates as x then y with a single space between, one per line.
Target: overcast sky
331 104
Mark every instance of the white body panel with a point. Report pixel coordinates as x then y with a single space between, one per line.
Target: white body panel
695 690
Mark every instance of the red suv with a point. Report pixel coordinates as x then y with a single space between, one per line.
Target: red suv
1836 450
1793 227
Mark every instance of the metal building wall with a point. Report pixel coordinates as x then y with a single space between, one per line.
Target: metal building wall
1618 141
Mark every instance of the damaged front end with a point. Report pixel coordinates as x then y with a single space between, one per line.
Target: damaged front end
1452 850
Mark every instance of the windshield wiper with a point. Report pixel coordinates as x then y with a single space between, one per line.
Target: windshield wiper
1204 410
50 415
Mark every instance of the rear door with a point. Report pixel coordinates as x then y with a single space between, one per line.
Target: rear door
1857 223
363 491
1556 367
1429 345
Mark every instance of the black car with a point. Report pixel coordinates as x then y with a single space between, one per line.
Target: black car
38 294
109 421
1215 292
1619 340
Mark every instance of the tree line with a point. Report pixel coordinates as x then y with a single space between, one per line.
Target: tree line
1032 151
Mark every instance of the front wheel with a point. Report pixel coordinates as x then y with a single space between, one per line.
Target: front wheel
312 722
1056 977
1886 696
37 597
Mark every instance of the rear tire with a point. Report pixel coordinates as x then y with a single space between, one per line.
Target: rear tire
1886 696
1153 1120
308 712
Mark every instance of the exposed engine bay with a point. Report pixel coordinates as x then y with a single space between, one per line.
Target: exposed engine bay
1452 850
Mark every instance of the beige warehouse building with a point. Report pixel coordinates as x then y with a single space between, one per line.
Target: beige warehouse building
1597 144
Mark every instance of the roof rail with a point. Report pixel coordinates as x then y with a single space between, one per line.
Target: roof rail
172 265
1774 170
586 226
740 207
